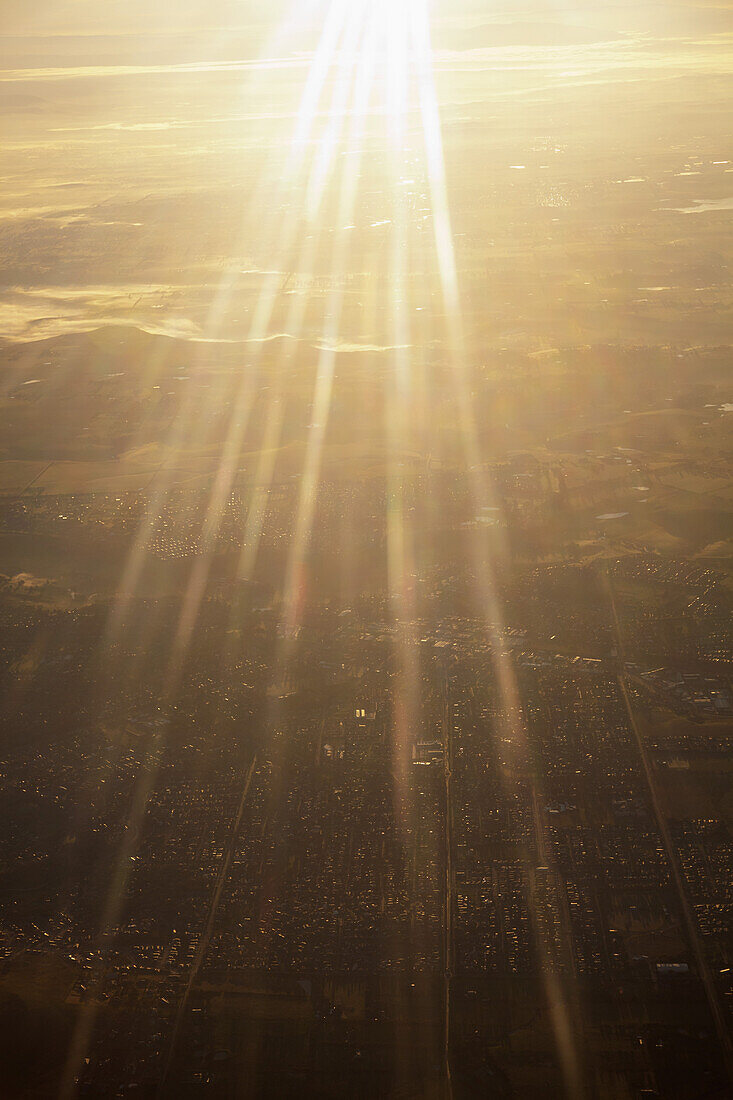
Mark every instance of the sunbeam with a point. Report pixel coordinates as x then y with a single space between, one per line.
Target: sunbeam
365 550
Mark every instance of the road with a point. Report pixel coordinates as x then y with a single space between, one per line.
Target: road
206 937
704 970
449 945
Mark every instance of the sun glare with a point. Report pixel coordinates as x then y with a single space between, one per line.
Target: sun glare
377 42
370 80
366 549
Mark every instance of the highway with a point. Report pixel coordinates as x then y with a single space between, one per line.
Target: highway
449 944
704 970
206 937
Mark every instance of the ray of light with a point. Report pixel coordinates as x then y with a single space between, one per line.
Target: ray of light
352 36
285 233
558 1002
228 465
362 89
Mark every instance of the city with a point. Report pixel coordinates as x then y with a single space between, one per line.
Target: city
366 550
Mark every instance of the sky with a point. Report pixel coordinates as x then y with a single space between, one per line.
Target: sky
161 17
140 140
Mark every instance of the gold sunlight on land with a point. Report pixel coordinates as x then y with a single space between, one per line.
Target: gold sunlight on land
385 240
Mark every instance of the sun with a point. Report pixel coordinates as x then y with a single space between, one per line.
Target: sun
368 61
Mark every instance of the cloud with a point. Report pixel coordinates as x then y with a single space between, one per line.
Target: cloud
517 34
77 72
84 17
